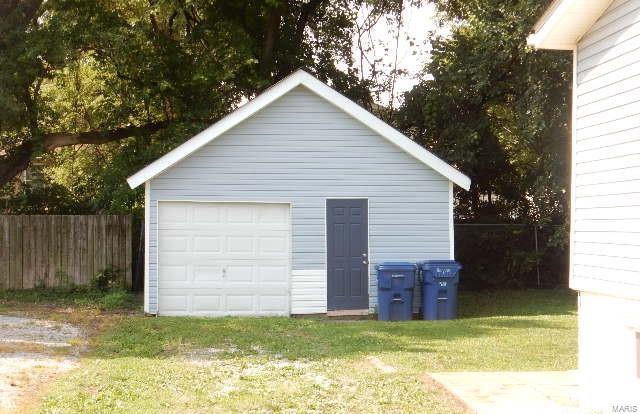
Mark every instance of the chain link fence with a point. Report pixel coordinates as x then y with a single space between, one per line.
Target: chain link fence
513 256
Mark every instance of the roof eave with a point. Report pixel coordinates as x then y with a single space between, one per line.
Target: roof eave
565 22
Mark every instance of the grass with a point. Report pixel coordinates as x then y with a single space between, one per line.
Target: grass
79 297
141 364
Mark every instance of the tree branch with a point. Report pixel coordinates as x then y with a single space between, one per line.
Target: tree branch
14 161
62 139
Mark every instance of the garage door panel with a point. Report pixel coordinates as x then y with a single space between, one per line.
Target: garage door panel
273 274
272 244
207 303
241 214
171 244
207 274
204 229
207 213
175 273
240 303
223 259
272 215
173 213
175 302
239 244
272 304
207 244
239 273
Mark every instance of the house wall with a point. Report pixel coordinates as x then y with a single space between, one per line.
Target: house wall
606 163
605 227
302 150
608 352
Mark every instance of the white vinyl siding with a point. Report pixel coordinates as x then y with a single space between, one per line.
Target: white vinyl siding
301 149
308 292
606 161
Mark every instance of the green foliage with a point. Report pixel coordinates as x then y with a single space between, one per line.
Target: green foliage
499 257
116 299
107 279
80 296
497 110
71 66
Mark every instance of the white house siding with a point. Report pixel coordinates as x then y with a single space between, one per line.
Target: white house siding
606 206
606 165
608 352
302 150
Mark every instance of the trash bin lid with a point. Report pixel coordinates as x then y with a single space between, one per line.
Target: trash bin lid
430 264
396 266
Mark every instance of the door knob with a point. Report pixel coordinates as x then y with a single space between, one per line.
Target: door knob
365 260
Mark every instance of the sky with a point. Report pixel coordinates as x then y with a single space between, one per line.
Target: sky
417 23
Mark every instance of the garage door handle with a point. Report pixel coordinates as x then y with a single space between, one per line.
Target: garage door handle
224 272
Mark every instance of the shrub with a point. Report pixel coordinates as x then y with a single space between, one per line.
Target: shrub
107 279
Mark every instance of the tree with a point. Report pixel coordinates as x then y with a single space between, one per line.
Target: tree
498 110
123 81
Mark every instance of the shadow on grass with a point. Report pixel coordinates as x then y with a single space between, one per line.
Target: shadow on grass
517 303
482 315
311 339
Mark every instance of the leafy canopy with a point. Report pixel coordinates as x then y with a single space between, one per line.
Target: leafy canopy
498 110
95 89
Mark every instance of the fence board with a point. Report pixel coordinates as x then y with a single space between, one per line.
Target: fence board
4 253
128 259
36 250
16 256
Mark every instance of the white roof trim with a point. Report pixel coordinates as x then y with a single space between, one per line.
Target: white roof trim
298 78
565 22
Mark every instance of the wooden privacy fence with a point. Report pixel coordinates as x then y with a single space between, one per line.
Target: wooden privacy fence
52 251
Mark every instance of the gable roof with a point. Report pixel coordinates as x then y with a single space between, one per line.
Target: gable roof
298 78
565 22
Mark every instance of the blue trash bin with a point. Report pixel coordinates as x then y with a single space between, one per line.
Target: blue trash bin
439 289
396 281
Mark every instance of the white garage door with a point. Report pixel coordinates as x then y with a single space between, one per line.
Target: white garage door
223 259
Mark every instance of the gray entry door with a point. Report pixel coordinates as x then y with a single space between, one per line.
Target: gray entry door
347 250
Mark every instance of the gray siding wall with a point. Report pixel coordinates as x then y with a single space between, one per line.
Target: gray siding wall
606 162
303 150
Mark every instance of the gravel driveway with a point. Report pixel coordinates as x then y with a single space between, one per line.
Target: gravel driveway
32 352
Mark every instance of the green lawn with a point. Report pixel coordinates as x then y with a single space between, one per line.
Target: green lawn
143 364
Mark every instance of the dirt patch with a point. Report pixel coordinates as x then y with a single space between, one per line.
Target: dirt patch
21 372
451 400
32 352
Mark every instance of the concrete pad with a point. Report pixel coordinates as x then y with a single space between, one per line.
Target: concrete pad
548 392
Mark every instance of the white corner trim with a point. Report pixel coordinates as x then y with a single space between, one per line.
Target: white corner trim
147 227
298 78
574 139
451 227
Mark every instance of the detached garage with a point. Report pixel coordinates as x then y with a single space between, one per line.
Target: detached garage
286 205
